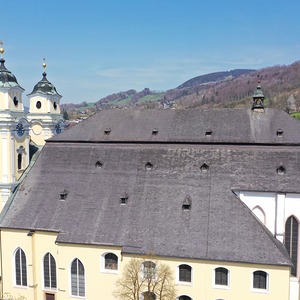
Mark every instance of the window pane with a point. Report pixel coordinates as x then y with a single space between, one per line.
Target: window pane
260 280
111 261
46 271
18 267
291 241
149 269
77 278
221 276
185 273
53 271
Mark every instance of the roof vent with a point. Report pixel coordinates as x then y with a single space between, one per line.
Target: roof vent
155 131
98 164
107 131
208 132
63 194
187 203
279 132
124 198
148 166
281 170
204 168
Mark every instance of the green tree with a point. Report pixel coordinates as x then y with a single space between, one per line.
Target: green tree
65 115
147 278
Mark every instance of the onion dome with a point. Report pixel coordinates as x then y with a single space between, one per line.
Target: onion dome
7 79
44 86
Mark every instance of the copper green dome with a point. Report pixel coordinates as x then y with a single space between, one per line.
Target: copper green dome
44 87
258 92
7 79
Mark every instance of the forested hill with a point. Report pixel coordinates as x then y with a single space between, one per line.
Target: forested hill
214 77
280 84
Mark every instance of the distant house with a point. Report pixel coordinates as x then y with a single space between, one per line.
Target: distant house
176 183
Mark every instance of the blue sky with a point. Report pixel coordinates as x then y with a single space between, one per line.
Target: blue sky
94 48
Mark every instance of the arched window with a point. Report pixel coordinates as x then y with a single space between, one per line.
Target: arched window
258 211
21 152
111 261
185 273
77 278
19 161
221 276
291 241
20 268
260 280
149 269
148 296
184 298
49 272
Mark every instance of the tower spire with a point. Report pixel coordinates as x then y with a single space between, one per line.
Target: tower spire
258 99
44 67
1 50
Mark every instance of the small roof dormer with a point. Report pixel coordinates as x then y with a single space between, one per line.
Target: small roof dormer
258 99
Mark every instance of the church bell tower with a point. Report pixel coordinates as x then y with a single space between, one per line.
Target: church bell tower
44 112
14 132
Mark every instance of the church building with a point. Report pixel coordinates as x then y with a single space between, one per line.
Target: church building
214 194
22 132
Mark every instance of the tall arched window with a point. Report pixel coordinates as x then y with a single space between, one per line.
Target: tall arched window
221 276
258 211
49 272
291 241
77 278
185 273
20 268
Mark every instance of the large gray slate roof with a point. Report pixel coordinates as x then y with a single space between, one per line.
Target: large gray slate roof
241 126
218 226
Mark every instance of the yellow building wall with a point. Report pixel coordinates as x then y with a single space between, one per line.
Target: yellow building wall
100 284
37 134
6 100
47 105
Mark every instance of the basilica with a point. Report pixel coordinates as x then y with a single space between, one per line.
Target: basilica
213 194
22 132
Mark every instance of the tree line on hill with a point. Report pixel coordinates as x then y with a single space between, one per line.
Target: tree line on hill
280 84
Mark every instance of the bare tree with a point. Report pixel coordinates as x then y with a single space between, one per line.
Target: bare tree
8 296
146 279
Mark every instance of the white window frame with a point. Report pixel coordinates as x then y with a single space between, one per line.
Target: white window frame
257 290
220 286
14 270
184 282
143 271
49 289
70 280
102 264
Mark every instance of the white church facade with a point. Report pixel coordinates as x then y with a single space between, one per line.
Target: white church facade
21 131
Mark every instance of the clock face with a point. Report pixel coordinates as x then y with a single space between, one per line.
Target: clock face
20 129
